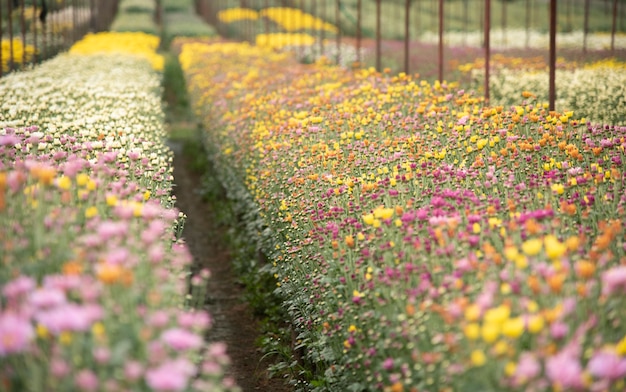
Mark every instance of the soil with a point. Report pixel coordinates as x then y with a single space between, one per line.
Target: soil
233 320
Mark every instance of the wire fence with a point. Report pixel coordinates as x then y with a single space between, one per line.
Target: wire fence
388 33
34 30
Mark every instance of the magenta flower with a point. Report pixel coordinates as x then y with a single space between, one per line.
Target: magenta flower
15 334
181 339
606 364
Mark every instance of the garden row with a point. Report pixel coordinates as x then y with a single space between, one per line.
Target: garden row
176 18
94 279
422 240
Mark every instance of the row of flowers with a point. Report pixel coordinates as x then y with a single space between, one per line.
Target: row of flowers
421 239
288 19
593 91
94 276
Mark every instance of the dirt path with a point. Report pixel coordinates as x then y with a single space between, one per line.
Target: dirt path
233 323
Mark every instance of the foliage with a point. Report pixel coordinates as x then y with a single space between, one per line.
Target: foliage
421 239
135 22
185 24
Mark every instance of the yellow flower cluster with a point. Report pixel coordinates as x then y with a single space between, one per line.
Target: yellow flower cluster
281 40
132 43
236 14
293 19
19 49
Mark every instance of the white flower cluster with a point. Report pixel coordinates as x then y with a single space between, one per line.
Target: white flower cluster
520 38
595 93
111 102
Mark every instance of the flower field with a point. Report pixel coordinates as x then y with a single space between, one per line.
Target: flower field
421 239
94 278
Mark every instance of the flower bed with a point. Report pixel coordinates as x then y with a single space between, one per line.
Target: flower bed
94 279
593 91
421 240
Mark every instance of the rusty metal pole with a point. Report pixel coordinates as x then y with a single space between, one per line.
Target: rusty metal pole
1 67
586 27
23 31
322 31
358 32
487 26
34 27
378 54
10 23
503 17
338 23
614 27
552 53
407 35
527 24
440 40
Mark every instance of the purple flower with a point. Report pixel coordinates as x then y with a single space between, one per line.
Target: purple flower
181 339
15 334
606 364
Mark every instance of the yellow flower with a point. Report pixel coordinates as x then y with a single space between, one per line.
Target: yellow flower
510 368
368 219
532 247
472 312
558 188
82 179
472 331
497 315
64 182
478 358
383 213
490 332
554 248
91 212
536 323
513 328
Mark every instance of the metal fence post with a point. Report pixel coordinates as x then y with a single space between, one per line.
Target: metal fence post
378 11
552 53
358 31
407 35
486 39
441 20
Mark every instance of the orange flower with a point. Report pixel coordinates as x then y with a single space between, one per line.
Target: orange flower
72 267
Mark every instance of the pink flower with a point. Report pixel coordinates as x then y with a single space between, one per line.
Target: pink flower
527 368
19 286
15 334
565 370
170 376
614 280
133 370
181 339
606 364
86 380
47 298
70 317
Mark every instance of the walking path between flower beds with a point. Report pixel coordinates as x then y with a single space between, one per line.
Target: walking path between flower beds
233 322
